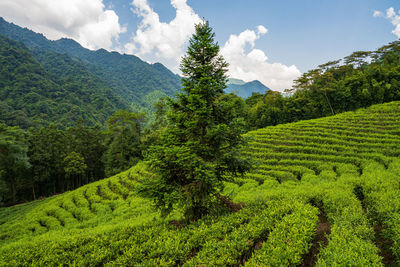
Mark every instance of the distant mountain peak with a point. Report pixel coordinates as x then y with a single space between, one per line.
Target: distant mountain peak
245 89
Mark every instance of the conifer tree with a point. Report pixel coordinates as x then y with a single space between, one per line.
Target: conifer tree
200 144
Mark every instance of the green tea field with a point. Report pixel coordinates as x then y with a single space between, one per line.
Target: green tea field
322 192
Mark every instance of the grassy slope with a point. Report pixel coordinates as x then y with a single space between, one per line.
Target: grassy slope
345 166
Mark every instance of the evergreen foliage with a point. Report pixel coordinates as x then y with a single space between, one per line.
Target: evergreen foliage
200 145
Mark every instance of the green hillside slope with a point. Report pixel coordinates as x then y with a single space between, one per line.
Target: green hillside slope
60 90
127 75
336 177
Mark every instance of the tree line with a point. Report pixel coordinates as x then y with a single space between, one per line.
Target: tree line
359 80
40 162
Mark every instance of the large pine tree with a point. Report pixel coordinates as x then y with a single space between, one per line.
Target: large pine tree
201 141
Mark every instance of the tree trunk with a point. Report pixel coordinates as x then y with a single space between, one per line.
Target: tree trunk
14 192
63 184
33 191
329 103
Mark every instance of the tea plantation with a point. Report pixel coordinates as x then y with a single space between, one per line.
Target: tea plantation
322 192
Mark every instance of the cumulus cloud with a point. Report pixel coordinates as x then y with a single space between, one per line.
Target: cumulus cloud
84 21
165 40
393 17
254 65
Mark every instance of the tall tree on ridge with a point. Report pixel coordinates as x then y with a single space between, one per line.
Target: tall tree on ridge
200 147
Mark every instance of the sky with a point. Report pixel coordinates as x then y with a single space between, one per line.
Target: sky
267 40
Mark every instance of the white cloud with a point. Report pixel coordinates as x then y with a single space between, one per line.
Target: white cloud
165 40
390 12
130 48
261 29
377 13
254 65
85 21
393 17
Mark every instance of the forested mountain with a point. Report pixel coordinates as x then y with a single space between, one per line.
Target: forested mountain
245 90
32 95
127 75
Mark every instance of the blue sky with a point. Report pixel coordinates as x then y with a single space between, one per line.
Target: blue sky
305 33
272 41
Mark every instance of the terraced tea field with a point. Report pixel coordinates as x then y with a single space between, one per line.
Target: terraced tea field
322 192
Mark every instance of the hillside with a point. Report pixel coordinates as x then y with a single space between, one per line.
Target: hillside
128 76
31 95
245 89
336 176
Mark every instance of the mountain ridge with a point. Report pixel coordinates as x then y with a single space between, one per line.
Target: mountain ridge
245 89
128 75
31 95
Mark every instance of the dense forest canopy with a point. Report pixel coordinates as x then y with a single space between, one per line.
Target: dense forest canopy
72 82
30 95
127 75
